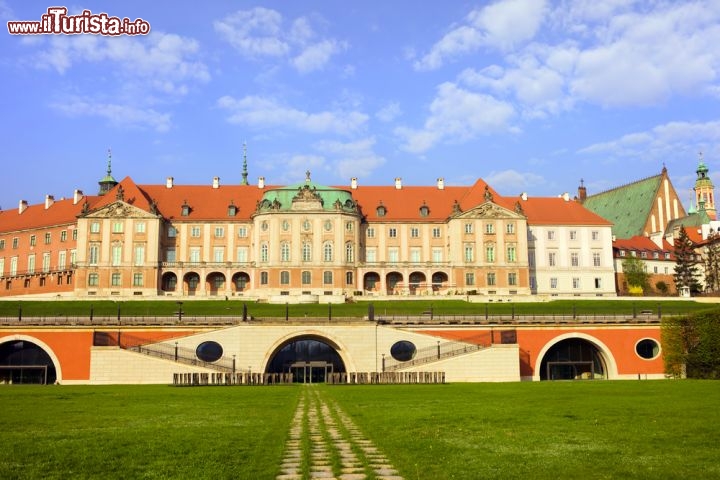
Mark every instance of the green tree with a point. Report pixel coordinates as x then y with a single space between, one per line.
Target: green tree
686 268
691 345
635 273
712 263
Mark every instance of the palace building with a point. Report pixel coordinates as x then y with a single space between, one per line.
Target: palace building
303 242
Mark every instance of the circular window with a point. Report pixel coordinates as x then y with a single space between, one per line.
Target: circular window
306 225
647 349
328 225
403 351
285 225
209 351
264 226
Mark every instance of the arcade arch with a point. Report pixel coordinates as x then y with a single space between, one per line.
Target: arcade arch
25 359
575 356
310 358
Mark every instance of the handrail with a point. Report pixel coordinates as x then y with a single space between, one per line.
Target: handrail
433 354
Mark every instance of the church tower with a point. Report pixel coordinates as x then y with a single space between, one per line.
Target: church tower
107 182
704 189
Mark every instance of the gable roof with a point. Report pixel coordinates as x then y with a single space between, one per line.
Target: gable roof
61 212
628 206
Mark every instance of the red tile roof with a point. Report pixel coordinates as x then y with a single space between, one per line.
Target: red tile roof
61 212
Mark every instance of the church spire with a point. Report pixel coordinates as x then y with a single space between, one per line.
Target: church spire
244 170
704 188
107 182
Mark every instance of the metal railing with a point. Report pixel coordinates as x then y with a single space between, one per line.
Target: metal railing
433 354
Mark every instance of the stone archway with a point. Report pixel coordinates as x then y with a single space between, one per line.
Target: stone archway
416 281
308 357
439 281
393 281
371 281
573 358
215 283
240 281
27 361
191 283
168 282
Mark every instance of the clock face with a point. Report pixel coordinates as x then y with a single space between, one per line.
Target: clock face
285 225
328 225
306 225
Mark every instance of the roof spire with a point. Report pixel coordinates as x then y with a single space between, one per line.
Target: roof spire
307 176
109 168
244 170
107 182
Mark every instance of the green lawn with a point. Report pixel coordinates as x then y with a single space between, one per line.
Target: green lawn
234 307
549 430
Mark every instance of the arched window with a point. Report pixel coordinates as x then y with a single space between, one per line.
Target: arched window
349 253
306 252
264 252
285 252
328 252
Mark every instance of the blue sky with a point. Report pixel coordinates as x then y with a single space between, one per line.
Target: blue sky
529 95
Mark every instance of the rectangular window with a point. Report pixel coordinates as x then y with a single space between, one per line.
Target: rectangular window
139 255
576 282
170 255
595 235
137 279
491 279
116 257
242 232
116 280
62 259
73 257
349 278
392 232
195 232
393 255
667 256
596 259
551 235
305 277
93 280
643 254
264 278
655 269
172 232
15 242
469 252
218 254
573 235
414 232
242 254
532 283
2 244
219 232
194 254
63 236
553 283
469 278
598 282
370 232
468 228
31 264
140 227
371 255
531 258
47 238
46 262
510 228
490 253
512 279
33 240
511 253
415 255
74 235
574 259
94 254
2 267
437 256
552 259
327 278
490 228
284 277
13 266
117 227
436 232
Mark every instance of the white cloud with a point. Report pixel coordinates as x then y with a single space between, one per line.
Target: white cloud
502 25
119 115
256 111
514 181
352 159
389 112
262 33
455 115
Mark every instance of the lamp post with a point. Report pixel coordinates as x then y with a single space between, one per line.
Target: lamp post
438 349
383 362
233 363
176 351
180 311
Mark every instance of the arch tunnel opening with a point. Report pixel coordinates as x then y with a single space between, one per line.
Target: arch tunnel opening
573 359
310 360
24 362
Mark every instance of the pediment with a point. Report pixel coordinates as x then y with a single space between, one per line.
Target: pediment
119 209
489 210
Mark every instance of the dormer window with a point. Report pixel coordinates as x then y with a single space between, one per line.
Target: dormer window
381 210
424 210
185 209
232 209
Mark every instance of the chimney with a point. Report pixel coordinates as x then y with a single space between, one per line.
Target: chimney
261 182
22 206
398 183
49 200
441 183
565 196
216 182
77 196
523 195
353 183
169 182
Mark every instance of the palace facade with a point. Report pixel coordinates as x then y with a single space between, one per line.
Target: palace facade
303 242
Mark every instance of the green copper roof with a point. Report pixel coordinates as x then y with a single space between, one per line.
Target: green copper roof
627 207
329 198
